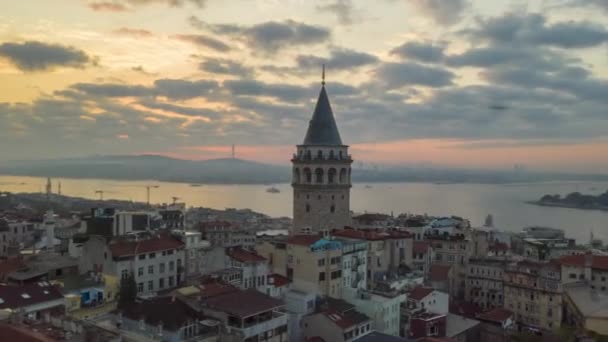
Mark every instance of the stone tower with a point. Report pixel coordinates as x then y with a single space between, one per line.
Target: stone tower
321 174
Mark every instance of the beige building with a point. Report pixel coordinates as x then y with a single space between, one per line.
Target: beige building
484 282
455 251
315 265
534 293
590 268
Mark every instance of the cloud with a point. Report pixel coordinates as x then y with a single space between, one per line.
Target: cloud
339 59
107 6
442 12
270 36
139 33
177 89
343 9
205 41
420 51
533 29
37 56
505 55
279 91
111 90
397 75
224 66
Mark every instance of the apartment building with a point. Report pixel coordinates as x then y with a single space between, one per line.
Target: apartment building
382 307
533 292
484 282
453 250
156 260
253 268
195 249
335 320
354 263
590 268
422 256
226 234
386 250
314 265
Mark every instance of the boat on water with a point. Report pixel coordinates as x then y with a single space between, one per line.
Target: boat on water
368 186
195 185
273 190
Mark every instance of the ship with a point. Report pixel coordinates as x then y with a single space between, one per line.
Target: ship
273 190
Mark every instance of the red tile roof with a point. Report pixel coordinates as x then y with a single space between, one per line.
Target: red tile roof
599 262
278 280
10 332
371 235
439 272
10 265
421 247
419 293
499 247
14 296
215 287
122 248
346 319
245 256
243 303
498 315
303 240
466 309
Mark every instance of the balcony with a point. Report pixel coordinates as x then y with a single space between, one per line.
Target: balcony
316 159
259 324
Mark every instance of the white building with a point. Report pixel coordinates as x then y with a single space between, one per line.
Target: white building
592 269
384 309
194 249
354 263
156 261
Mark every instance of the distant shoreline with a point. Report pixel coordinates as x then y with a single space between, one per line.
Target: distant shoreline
566 205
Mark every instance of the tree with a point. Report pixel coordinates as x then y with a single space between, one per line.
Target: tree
128 290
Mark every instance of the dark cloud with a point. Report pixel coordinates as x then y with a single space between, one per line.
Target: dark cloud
339 59
38 56
107 6
279 91
533 29
224 66
270 36
505 55
111 90
441 11
397 75
205 41
343 9
139 33
177 89
420 51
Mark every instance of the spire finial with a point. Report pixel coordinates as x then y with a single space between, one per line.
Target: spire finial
323 75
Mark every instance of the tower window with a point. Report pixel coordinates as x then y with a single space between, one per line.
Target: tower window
307 196
332 208
307 207
319 197
319 175
319 154
333 197
342 196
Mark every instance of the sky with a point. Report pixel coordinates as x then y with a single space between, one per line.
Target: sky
458 83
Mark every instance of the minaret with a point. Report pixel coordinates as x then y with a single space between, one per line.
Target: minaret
321 174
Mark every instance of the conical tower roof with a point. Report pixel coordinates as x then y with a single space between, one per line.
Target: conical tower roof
322 128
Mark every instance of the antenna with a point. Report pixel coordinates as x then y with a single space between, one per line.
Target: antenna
233 152
323 75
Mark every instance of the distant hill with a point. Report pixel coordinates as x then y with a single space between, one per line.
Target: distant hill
239 171
152 167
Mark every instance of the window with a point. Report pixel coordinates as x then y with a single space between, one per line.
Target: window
140 287
170 281
332 209
140 271
150 285
161 283
322 276
152 255
124 274
161 267
336 274
321 262
170 252
307 207
171 266
151 269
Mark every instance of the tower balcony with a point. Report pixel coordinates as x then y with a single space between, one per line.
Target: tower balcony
324 186
317 160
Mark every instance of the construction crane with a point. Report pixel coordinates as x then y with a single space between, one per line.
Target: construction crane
175 199
100 192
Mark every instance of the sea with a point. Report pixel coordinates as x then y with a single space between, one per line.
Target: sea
505 202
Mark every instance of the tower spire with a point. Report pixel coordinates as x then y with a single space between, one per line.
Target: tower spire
323 76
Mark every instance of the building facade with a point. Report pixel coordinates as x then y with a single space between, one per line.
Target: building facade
534 293
484 282
321 174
